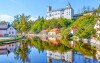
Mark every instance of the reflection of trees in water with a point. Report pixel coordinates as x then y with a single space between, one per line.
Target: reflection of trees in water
64 46
23 51
85 49
41 45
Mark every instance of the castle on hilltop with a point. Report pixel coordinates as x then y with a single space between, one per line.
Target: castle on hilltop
67 12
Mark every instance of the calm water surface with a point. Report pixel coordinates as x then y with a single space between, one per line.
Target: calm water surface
37 51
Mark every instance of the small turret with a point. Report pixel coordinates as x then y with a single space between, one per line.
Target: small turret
68 5
49 8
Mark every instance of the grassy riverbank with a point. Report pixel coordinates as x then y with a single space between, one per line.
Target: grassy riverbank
12 39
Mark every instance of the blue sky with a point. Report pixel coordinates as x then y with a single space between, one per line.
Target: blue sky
35 8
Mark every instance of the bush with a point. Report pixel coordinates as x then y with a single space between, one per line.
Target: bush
17 38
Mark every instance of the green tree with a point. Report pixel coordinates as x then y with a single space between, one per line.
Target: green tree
38 24
22 23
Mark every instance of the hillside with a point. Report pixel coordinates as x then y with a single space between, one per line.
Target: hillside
85 25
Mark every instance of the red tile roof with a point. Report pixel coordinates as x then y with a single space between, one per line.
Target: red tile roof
0 34
55 30
46 31
74 28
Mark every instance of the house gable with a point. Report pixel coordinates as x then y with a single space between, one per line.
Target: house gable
7 30
11 28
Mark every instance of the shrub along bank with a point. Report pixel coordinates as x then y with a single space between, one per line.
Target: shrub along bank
12 39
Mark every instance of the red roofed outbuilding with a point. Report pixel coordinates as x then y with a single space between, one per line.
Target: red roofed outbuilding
73 30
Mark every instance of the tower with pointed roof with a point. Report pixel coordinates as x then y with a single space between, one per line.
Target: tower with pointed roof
68 5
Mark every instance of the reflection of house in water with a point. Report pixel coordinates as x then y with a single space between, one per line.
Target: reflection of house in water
79 58
44 38
30 36
44 35
44 32
4 51
7 48
98 55
50 39
67 56
54 32
96 43
51 36
11 47
53 40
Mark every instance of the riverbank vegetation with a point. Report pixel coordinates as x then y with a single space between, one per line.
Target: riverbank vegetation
12 39
22 23
84 24
63 46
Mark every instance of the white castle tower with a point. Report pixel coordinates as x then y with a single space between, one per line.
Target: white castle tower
49 8
67 12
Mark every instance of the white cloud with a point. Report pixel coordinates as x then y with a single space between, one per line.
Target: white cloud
9 18
6 18
33 18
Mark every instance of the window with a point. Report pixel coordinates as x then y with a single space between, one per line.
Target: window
62 13
9 32
10 28
12 32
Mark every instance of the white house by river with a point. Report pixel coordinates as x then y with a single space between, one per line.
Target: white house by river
7 30
95 41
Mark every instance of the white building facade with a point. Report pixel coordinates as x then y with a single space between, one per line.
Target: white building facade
7 30
67 12
97 28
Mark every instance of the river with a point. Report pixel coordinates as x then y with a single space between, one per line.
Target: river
39 50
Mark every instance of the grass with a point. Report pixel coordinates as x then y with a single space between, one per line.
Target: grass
8 40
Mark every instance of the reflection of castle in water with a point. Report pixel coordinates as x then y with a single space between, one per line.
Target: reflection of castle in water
66 57
70 57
